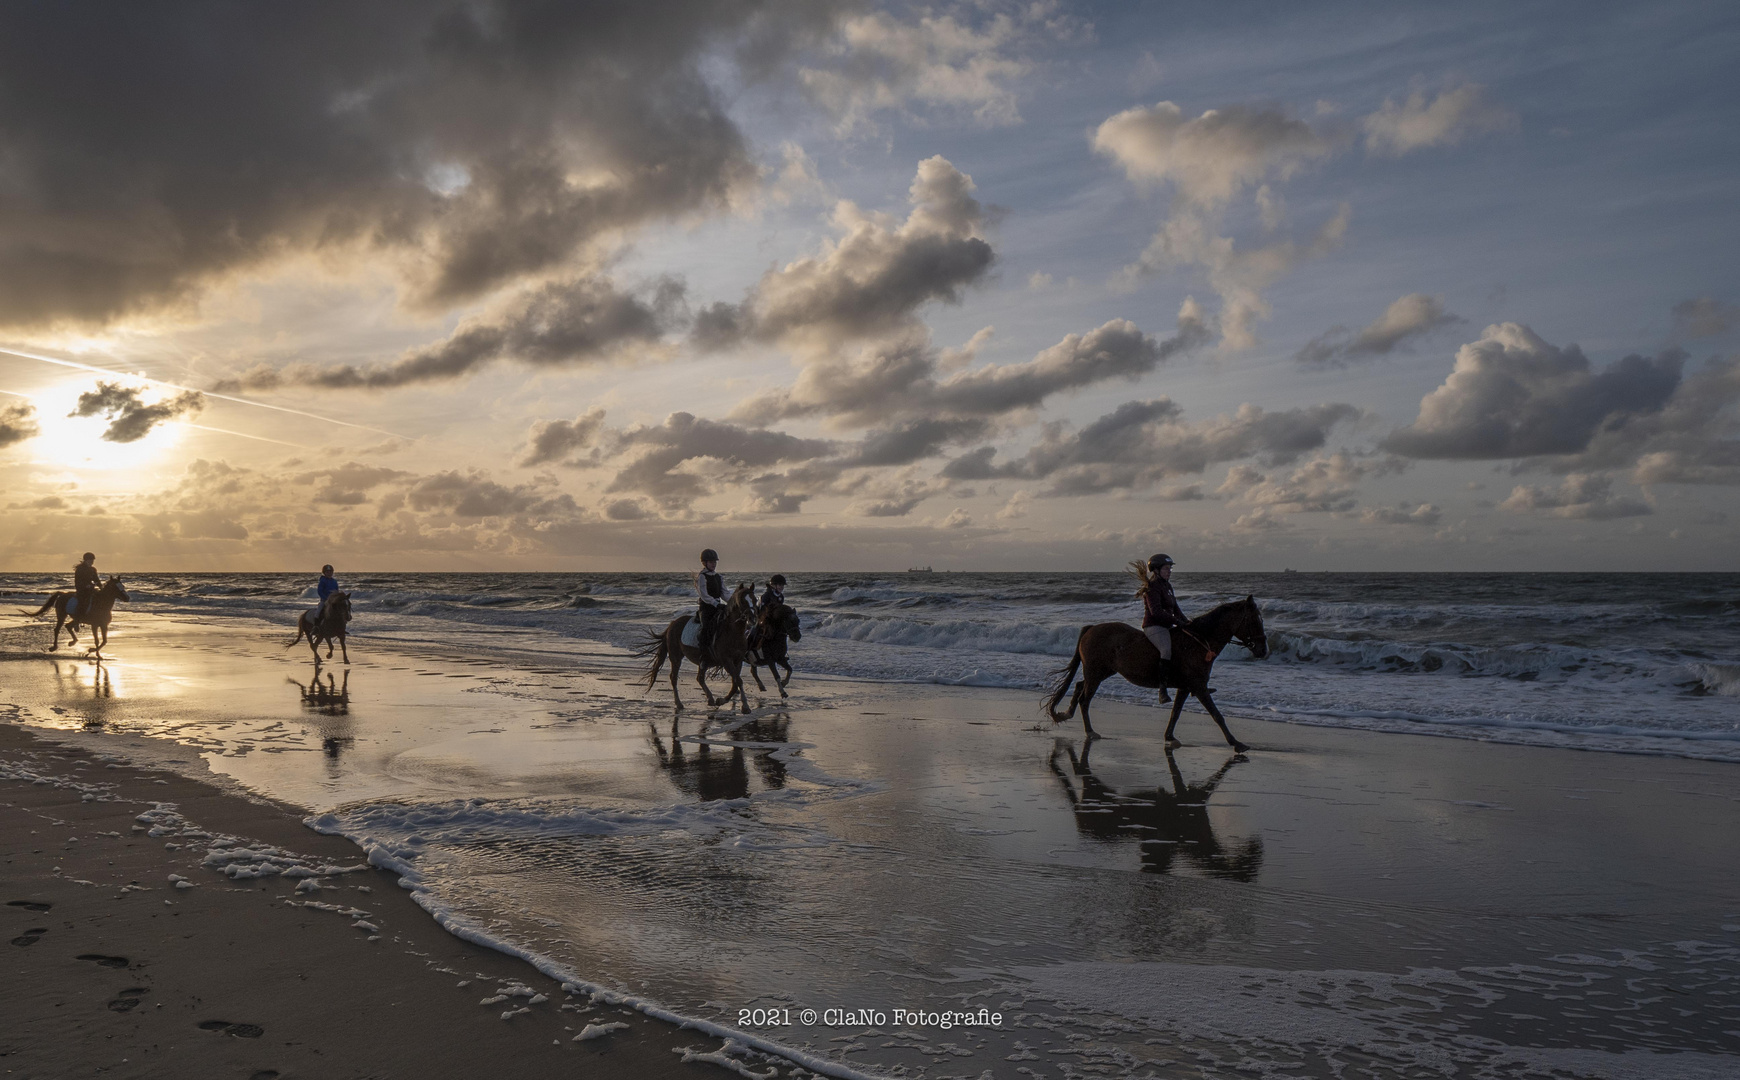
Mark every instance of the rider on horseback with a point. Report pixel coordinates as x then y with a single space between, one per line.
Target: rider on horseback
1160 610
327 586
771 598
710 587
85 583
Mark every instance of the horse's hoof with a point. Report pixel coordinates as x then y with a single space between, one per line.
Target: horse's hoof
1239 747
1172 743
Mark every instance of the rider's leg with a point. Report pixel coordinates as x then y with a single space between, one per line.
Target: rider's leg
1161 638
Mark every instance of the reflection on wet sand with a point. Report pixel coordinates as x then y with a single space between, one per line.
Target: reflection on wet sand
712 767
329 700
87 687
1168 825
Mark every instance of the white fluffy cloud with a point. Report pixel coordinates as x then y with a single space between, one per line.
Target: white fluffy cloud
1411 317
1454 115
1580 495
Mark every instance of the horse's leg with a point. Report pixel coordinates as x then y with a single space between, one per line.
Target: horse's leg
755 670
1177 708
676 662
1207 699
343 647
59 620
701 677
774 671
1084 693
738 688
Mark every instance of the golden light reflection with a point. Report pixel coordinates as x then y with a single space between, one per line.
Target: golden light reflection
77 442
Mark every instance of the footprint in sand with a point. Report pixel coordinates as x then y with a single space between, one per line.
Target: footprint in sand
29 905
104 961
128 1000
240 1031
30 936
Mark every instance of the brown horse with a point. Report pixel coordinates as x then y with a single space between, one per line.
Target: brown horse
1117 648
730 645
96 616
778 625
330 628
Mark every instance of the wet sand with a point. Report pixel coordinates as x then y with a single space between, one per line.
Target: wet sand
865 841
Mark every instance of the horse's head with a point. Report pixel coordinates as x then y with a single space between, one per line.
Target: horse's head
788 622
339 602
1249 629
113 588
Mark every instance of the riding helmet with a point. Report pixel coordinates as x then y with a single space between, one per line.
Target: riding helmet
709 555
327 569
1158 561
777 579
90 556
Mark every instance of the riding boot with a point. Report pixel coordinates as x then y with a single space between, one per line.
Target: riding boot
1165 697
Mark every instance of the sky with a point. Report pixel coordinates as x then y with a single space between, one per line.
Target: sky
855 286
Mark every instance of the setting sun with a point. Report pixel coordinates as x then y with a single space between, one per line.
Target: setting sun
76 441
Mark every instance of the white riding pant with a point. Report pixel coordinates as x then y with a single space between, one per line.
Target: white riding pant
1161 636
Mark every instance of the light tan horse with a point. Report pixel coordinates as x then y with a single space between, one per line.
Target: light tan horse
730 645
330 628
97 616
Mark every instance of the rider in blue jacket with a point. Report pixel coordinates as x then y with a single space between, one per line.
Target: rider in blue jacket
328 585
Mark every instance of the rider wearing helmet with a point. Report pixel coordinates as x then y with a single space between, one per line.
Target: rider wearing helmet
710 587
1160 611
327 586
775 592
85 583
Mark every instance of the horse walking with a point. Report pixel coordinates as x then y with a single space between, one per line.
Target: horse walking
330 628
778 626
1108 649
96 616
730 645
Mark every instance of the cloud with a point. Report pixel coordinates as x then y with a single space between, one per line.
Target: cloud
474 495
1413 316
557 324
1511 394
16 424
1322 485
349 484
1141 443
871 280
1581 495
1211 158
950 61
683 439
130 419
1704 318
553 440
469 146
900 377
1423 514
1454 115
958 519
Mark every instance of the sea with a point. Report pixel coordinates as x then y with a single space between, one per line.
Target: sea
1634 663
907 837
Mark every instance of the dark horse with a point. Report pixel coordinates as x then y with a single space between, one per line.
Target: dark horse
730 646
777 626
330 628
1117 648
96 615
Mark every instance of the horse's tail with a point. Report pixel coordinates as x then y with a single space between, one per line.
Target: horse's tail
43 610
1060 679
300 620
654 649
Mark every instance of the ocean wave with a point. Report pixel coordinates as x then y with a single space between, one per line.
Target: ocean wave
1723 679
958 634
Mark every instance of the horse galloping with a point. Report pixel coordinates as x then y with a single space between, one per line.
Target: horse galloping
778 626
729 646
1108 649
329 628
97 615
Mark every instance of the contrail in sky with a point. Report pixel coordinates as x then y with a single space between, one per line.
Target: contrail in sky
207 393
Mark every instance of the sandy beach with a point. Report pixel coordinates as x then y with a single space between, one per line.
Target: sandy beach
1334 903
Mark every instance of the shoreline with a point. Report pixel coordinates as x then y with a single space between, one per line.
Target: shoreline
1464 845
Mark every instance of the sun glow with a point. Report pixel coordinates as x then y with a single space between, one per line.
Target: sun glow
77 442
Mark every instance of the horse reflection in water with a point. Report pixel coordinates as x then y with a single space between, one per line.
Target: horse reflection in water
329 700
717 769
1168 825
90 696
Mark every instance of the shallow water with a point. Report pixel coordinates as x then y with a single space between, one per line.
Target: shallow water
1642 663
1336 904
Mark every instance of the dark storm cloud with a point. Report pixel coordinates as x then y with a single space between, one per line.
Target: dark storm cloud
16 424
1410 317
150 149
683 438
558 323
1513 395
130 419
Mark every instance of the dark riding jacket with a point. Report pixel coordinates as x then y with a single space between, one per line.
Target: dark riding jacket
86 579
771 597
710 584
1159 606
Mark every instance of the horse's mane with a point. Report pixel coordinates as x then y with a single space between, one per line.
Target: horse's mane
1211 617
739 598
